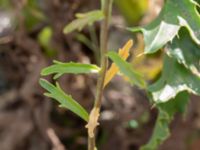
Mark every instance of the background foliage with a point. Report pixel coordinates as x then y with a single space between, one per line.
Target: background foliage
35 37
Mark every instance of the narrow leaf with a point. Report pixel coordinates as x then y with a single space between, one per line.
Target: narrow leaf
126 69
60 68
65 100
84 19
123 53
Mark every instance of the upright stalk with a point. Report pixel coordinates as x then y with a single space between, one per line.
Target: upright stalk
106 8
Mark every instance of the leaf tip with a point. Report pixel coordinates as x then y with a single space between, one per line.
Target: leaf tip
42 81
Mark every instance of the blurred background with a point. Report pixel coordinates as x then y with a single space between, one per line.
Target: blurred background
31 37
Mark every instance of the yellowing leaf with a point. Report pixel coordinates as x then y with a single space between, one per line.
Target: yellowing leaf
123 53
135 78
94 115
93 122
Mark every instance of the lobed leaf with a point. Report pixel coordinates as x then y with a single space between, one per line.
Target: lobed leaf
60 68
185 51
65 100
174 15
126 69
174 79
166 112
84 19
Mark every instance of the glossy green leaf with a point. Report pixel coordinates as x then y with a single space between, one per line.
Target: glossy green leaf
175 78
65 100
166 112
174 15
127 70
84 19
59 68
186 51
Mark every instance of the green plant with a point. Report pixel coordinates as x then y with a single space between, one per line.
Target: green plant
176 29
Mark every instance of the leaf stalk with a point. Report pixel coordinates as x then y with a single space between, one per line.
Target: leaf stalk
106 8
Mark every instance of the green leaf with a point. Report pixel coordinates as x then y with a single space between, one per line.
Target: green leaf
44 38
60 68
166 112
174 15
65 100
84 19
126 69
86 41
175 78
186 51
198 5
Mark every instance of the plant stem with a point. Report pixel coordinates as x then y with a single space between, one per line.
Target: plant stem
91 143
103 50
106 8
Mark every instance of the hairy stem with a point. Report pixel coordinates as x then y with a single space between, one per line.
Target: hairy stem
106 8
